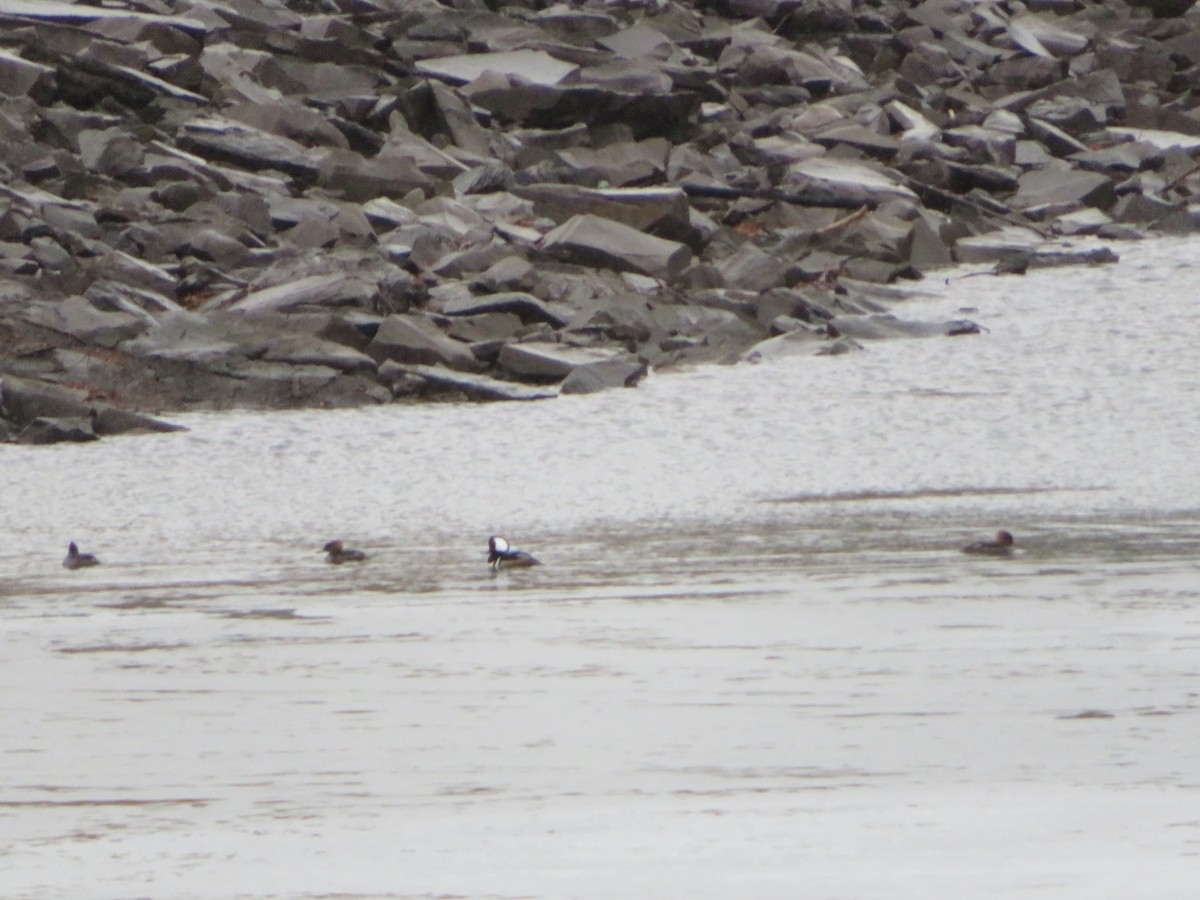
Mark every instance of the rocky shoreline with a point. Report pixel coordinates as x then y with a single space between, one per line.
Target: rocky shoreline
340 202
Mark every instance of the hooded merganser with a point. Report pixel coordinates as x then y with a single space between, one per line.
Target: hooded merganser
76 560
502 556
1001 546
337 554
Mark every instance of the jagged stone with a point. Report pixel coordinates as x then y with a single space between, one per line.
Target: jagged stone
603 376
37 412
539 361
533 66
476 387
590 239
223 140
334 289
526 307
230 204
78 318
407 338
1048 187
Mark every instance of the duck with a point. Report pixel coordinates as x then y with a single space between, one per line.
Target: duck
337 553
76 560
1001 545
502 556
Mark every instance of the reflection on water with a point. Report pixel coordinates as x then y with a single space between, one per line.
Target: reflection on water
754 653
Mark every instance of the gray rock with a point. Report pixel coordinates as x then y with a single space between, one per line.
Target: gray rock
849 182
807 341
223 140
640 208
46 430
475 387
1047 187
334 289
192 338
755 270
36 412
525 306
1044 38
591 240
602 376
538 361
880 327
21 76
1030 246
80 319
299 349
509 273
532 66
407 338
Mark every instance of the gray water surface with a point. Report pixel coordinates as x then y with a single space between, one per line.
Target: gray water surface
754 662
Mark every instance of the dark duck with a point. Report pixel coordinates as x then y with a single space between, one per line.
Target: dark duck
1001 545
76 560
337 553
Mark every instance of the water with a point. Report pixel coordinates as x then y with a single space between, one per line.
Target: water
753 664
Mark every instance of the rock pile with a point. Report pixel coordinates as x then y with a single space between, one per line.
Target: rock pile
331 202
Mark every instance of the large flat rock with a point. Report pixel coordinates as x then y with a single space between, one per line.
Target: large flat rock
531 66
592 240
415 339
476 387
538 360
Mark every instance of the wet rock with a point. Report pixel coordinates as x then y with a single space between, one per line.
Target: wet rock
539 361
603 376
1031 247
882 327
40 413
804 340
45 430
436 380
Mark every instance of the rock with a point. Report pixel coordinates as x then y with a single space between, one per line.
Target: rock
535 67
77 317
800 341
35 412
601 376
407 338
850 183
591 240
1029 245
475 387
45 430
223 140
664 209
301 349
1051 187
335 289
880 327
539 361
525 306
326 204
